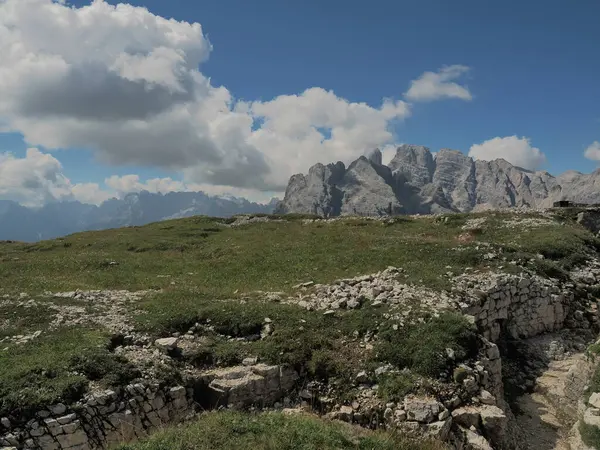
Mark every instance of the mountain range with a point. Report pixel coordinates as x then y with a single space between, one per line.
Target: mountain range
20 223
418 182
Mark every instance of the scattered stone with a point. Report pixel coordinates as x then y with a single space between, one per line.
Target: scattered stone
166 344
421 409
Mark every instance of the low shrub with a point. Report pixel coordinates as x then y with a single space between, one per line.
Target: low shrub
394 387
422 347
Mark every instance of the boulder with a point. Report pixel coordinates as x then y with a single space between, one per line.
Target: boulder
494 422
467 416
422 409
474 441
166 344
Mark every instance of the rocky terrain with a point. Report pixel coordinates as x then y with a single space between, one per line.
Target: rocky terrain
416 182
482 335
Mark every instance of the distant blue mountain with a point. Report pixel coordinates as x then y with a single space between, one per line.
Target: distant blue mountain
57 219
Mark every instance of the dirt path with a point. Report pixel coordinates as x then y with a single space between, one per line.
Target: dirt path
547 415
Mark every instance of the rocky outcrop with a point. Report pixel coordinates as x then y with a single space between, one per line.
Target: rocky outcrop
590 219
415 182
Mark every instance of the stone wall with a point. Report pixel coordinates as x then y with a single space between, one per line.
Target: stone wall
100 419
520 305
105 418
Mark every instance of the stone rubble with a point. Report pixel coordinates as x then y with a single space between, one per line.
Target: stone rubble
381 288
109 309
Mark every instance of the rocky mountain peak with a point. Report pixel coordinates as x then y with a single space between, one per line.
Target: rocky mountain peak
376 157
416 182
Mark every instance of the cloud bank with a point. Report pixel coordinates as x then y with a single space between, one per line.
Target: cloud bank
515 150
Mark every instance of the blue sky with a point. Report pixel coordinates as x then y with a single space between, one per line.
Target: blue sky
533 71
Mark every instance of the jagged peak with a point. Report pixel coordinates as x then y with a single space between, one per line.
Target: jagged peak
375 156
412 148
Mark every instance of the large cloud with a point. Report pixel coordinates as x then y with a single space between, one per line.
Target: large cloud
439 85
38 178
515 150
593 151
126 84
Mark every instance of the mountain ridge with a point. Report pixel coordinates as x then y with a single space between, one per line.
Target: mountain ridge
20 223
417 182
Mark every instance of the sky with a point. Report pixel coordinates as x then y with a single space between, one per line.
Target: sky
98 99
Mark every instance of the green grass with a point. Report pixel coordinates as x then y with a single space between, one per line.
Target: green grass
393 388
266 256
38 373
273 431
23 320
590 435
422 347
57 367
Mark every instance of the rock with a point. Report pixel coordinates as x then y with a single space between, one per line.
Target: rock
494 422
249 361
266 331
58 409
72 440
383 370
353 303
166 344
345 414
388 414
486 398
5 422
400 415
66 419
467 416
590 417
594 400
470 385
329 312
475 441
421 409
439 430
590 219
362 377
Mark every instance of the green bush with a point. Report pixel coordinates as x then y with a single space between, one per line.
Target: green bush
422 347
394 387
98 364
460 374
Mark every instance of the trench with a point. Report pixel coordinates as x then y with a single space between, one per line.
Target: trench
545 401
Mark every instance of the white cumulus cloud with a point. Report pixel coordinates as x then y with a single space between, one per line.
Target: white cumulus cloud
593 151
515 150
38 178
127 84
439 85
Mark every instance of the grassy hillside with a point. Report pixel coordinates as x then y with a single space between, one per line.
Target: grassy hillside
201 268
